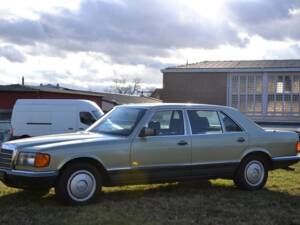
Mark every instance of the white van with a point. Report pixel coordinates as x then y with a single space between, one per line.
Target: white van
35 117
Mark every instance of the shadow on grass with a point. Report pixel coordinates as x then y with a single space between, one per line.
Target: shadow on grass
20 197
174 203
125 193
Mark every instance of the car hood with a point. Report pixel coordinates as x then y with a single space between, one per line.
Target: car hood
57 139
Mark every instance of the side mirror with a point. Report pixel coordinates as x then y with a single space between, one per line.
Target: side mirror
147 132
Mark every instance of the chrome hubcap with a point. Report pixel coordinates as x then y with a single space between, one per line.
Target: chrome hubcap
254 173
81 185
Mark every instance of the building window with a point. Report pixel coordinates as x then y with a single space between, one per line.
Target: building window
265 94
247 92
283 95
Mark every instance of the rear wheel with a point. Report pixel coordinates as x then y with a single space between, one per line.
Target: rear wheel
78 184
252 173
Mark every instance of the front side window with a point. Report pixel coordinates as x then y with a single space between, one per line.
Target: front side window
229 124
167 123
204 122
120 121
86 118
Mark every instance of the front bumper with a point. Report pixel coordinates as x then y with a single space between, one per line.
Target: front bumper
285 161
28 179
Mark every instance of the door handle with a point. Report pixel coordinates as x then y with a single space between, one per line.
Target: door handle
70 128
182 142
81 128
241 139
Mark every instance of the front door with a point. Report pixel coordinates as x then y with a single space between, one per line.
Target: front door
167 154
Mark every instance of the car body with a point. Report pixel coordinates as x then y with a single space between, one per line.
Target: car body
149 143
36 117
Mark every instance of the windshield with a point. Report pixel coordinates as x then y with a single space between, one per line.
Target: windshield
120 121
97 114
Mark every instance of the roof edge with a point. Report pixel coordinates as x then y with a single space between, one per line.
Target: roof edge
228 70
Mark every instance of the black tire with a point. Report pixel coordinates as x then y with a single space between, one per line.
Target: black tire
247 176
81 175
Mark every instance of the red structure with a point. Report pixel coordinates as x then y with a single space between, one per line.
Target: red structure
9 94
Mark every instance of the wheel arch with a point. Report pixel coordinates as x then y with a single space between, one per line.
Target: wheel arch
259 152
87 159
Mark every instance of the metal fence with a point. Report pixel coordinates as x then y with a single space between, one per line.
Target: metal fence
4 131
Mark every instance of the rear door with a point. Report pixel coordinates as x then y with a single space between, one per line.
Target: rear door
217 142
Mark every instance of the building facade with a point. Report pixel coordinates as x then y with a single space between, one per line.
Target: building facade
266 90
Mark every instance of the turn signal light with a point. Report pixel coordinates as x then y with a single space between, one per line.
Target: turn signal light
41 160
298 146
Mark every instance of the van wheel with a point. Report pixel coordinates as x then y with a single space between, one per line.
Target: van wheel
252 173
78 184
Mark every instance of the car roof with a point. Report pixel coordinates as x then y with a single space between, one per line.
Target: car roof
175 105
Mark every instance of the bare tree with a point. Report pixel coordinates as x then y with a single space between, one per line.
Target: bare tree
123 86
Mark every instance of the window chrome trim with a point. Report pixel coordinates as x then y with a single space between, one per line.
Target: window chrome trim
242 128
211 110
163 110
188 123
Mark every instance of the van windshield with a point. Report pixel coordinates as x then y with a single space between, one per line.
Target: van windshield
120 121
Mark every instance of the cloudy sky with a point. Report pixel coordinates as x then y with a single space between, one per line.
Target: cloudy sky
88 43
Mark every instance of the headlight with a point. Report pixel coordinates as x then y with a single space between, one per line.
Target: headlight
30 159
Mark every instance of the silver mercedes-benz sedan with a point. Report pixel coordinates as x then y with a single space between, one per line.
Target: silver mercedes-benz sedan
148 143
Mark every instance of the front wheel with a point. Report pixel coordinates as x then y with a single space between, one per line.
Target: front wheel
78 184
252 173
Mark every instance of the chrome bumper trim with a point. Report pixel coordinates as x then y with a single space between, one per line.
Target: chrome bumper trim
287 158
24 173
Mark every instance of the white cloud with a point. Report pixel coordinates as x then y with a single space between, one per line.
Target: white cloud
88 43
32 8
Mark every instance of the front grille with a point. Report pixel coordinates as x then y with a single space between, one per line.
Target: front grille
6 158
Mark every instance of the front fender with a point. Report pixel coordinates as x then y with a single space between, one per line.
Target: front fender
74 157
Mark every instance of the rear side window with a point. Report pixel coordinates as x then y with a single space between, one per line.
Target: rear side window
87 118
204 122
230 125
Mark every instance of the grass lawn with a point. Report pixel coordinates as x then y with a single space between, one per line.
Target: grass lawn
213 202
